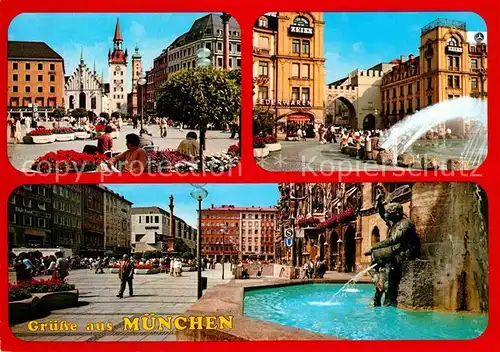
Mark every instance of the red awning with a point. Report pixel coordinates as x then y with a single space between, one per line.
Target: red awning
299 118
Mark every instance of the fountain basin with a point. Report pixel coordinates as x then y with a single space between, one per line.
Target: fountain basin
349 316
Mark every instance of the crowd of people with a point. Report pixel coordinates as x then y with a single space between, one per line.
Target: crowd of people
32 264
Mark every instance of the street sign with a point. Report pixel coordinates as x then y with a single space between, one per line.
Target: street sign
288 242
289 233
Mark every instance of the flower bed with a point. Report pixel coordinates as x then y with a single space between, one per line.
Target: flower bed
144 266
165 160
101 128
272 143
234 150
308 222
67 161
41 135
144 271
258 143
220 162
259 148
64 134
270 139
25 289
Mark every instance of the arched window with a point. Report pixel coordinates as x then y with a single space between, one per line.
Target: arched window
375 235
301 21
263 22
452 41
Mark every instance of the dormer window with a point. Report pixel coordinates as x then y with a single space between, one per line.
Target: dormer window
301 21
263 22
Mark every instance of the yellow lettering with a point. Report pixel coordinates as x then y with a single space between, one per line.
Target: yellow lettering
162 322
73 327
225 322
211 323
33 325
148 318
130 325
198 321
90 327
177 324
109 326
43 326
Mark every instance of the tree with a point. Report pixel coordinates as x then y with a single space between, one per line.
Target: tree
58 113
91 114
115 114
137 255
181 248
200 95
263 121
79 113
104 115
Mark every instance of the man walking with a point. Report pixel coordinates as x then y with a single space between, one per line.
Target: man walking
126 275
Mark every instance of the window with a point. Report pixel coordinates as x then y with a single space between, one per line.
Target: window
301 21
473 63
40 67
14 66
52 67
473 83
295 93
52 89
305 94
429 100
147 219
306 47
12 218
14 77
450 81
27 66
230 62
208 46
410 89
401 91
219 46
295 70
40 78
27 78
305 71
429 82
157 219
418 86
42 223
263 93
296 46
40 89
457 82
450 61
263 22
238 48
429 66
452 41
256 232
456 62
238 63
394 92
263 68
27 220
27 89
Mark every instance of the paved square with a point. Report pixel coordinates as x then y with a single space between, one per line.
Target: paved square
161 294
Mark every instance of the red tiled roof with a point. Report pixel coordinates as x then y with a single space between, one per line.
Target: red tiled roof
233 208
118 32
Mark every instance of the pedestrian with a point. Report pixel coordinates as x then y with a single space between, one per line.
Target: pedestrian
126 275
105 142
190 145
27 124
321 134
17 131
178 267
62 266
163 127
172 266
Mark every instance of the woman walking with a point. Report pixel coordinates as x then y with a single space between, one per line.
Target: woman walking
17 132
321 134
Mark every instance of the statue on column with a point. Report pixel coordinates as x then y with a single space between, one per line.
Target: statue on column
402 244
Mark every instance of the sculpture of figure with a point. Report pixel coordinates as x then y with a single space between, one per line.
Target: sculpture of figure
402 244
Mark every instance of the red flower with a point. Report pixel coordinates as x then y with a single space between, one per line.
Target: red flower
258 142
144 266
333 221
234 150
63 130
270 139
101 128
308 222
68 160
40 132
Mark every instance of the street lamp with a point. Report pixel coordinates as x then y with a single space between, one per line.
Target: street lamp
223 259
203 56
199 193
142 82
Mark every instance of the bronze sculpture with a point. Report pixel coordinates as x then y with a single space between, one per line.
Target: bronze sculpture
402 244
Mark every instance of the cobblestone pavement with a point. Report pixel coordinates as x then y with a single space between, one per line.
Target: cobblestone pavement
161 294
311 156
22 155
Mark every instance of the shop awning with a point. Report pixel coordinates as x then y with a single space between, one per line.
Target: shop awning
299 118
35 232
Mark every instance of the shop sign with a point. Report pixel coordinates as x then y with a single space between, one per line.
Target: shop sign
301 30
454 49
286 103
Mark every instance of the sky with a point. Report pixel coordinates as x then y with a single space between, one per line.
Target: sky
68 33
362 40
142 195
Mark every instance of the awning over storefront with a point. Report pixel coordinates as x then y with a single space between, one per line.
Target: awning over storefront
35 232
299 118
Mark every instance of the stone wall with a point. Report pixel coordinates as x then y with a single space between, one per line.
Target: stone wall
453 268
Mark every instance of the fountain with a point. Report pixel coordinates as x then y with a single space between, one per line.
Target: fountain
404 134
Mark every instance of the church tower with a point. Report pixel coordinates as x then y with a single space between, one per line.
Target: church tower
136 71
117 61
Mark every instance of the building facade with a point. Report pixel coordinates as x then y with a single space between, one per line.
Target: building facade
185 232
117 61
206 32
67 216
117 223
93 220
30 216
289 72
355 101
150 229
452 63
241 232
35 79
84 89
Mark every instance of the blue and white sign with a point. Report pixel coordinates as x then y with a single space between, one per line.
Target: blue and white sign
288 233
288 242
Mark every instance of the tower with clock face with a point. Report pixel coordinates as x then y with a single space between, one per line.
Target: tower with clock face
117 61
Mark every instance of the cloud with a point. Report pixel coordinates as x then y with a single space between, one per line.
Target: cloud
137 30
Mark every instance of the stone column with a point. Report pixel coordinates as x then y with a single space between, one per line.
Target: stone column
225 21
